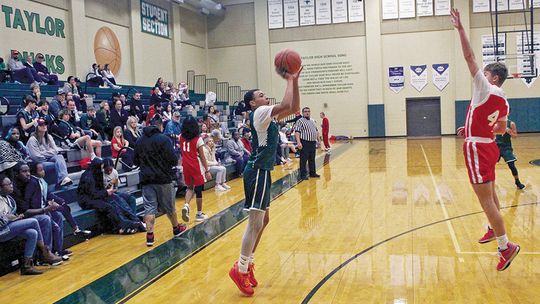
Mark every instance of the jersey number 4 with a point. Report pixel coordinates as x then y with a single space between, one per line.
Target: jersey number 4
493 118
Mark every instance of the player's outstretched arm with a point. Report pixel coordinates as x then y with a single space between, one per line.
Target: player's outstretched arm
465 44
291 101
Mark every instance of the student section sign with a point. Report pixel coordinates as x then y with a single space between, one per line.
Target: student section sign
154 20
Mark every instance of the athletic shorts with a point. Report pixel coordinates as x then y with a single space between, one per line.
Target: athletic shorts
507 153
193 178
159 197
480 159
257 183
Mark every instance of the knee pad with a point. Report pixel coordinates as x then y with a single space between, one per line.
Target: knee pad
198 191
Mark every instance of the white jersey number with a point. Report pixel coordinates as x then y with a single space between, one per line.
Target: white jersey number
186 146
493 118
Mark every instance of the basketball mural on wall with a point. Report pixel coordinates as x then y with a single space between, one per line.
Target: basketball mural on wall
107 49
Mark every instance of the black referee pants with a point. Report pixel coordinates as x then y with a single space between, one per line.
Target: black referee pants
307 155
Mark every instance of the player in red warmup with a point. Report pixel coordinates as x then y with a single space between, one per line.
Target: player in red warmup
487 116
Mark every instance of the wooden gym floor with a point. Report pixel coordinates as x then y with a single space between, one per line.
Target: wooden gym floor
389 221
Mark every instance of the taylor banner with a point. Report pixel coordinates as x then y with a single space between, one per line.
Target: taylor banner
419 77
396 78
441 75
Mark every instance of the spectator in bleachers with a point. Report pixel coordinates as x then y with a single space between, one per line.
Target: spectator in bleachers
38 169
94 78
42 149
167 112
90 124
213 114
246 139
46 222
155 98
135 106
214 166
75 119
286 145
119 116
70 86
58 103
13 138
9 157
174 128
159 81
210 99
32 202
108 74
132 132
16 225
4 72
92 194
27 118
183 94
104 118
36 91
21 73
44 112
153 111
43 71
75 136
238 152
118 142
217 137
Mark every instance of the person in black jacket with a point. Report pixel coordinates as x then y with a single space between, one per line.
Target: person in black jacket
119 116
76 135
135 106
154 154
156 99
104 118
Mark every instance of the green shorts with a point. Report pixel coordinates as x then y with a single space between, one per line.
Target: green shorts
507 153
257 184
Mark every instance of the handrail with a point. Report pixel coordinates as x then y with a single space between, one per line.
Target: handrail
118 159
6 105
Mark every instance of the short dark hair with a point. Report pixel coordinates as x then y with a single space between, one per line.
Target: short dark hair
498 69
249 96
190 128
305 108
28 99
156 120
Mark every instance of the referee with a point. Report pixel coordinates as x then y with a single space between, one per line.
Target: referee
306 136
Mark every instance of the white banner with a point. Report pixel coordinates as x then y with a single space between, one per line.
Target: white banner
396 78
424 8
406 9
323 13
275 14
502 5
356 10
307 12
442 7
339 11
488 48
518 4
390 9
291 13
419 77
535 3
441 75
480 6
527 64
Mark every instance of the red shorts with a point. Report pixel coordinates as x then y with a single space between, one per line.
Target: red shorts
193 178
480 159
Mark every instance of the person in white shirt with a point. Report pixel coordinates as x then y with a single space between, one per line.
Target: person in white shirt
214 166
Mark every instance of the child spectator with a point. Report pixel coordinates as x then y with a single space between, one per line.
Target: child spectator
118 142
214 166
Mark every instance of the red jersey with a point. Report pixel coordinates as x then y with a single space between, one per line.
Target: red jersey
487 106
325 125
193 174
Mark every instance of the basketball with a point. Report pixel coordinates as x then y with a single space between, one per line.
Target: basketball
107 49
288 60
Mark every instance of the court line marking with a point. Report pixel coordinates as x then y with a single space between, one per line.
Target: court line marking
313 291
443 207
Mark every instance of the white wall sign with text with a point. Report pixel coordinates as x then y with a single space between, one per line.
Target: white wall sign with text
291 13
307 12
356 10
323 14
275 14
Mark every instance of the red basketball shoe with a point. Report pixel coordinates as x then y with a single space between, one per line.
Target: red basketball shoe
488 237
241 280
251 273
506 256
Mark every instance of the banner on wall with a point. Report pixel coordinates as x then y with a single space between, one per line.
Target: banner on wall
534 3
396 78
291 13
390 9
480 6
424 8
275 14
419 77
441 75
406 9
525 64
356 10
442 7
488 48
339 11
154 20
307 12
517 4
323 13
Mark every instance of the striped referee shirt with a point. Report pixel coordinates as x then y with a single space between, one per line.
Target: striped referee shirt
307 129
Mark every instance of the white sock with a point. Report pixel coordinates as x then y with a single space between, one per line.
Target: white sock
252 258
502 242
92 156
199 212
243 263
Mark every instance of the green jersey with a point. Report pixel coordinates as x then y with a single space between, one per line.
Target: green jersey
504 139
265 134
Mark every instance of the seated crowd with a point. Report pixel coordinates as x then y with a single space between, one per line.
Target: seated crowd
44 131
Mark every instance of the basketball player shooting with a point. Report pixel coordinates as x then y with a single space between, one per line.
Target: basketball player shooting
257 179
487 116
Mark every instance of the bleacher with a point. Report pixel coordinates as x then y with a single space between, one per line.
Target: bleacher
129 181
